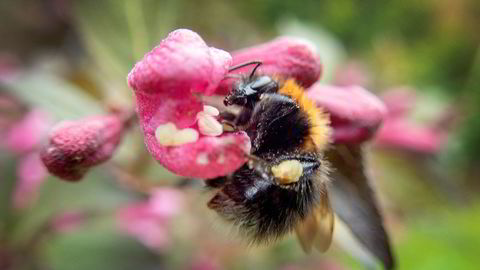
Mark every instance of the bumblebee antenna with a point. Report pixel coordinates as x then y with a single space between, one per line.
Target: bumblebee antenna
256 63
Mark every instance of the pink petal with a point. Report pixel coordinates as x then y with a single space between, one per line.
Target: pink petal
31 173
148 221
285 57
163 83
224 155
399 100
398 133
352 73
355 113
138 221
27 133
166 202
75 146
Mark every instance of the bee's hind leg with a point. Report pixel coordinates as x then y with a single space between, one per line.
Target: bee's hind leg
216 182
259 165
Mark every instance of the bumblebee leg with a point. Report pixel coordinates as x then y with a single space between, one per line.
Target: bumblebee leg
293 167
216 182
232 121
288 170
228 116
260 166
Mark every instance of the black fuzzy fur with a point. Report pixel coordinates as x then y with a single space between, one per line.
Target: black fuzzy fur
263 209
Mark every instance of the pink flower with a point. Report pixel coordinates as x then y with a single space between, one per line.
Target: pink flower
76 146
148 221
355 113
399 101
29 132
400 132
352 73
23 138
167 81
31 173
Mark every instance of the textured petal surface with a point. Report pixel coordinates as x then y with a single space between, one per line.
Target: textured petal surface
285 57
75 146
355 113
165 83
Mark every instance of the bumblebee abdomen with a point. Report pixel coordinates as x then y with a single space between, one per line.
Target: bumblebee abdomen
318 122
263 210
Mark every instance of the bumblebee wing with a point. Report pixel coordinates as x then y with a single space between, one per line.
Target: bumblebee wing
354 201
317 229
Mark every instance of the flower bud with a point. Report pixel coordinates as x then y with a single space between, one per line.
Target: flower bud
285 57
75 146
355 113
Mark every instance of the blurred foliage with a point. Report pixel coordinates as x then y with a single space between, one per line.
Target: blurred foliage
72 58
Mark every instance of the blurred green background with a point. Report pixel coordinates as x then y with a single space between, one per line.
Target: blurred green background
70 59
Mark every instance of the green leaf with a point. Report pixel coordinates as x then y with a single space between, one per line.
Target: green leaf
97 246
53 94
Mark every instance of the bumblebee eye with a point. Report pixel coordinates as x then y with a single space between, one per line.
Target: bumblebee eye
261 82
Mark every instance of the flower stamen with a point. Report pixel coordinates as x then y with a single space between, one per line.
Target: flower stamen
208 125
169 135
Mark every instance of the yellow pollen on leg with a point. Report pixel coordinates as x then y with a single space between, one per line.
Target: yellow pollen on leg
288 171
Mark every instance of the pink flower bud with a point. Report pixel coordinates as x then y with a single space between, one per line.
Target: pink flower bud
355 113
75 146
285 57
166 83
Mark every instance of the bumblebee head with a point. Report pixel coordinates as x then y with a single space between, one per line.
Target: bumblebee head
248 90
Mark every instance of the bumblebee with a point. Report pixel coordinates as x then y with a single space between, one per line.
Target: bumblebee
283 186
